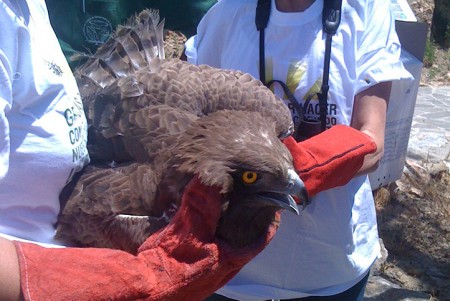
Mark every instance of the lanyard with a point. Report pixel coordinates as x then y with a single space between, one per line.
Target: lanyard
331 17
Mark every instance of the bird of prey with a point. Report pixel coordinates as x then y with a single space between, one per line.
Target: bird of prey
154 124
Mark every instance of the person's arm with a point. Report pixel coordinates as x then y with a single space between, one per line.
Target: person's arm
369 117
9 272
333 157
183 261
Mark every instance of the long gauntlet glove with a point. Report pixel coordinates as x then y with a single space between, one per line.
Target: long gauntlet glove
184 261
331 158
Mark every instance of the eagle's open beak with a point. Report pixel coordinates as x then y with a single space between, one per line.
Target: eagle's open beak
282 196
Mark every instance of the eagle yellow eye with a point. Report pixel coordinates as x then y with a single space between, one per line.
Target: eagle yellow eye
249 177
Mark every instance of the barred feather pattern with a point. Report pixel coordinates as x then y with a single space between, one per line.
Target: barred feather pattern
159 122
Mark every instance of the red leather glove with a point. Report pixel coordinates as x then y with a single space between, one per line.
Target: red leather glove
331 158
184 261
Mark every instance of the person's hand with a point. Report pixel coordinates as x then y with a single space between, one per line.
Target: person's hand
183 261
331 158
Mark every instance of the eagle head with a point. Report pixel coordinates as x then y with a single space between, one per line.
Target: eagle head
241 152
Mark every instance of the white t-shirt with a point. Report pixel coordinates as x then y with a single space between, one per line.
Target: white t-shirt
334 241
43 130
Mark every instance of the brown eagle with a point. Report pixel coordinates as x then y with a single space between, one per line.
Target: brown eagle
154 124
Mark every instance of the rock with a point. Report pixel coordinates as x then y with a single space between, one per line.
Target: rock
378 266
431 147
418 171
417 192
423 10
436 168
381 289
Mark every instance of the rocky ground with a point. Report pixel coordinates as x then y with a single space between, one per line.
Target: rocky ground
414 224
414 212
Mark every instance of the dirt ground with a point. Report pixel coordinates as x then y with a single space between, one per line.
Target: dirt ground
414 224
414 212
438 74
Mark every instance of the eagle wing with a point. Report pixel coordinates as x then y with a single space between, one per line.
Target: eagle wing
113 207
135 112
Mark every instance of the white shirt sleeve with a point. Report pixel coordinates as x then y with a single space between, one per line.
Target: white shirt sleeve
378 55
207 46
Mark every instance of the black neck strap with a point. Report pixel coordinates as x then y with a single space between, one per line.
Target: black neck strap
261 20
331 17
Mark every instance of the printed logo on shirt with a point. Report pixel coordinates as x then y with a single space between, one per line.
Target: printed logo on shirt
97 30
76 122
54 67
296 72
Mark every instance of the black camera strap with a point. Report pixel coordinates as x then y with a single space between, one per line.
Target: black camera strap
331 17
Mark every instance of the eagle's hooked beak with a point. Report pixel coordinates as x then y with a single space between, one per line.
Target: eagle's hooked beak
282 196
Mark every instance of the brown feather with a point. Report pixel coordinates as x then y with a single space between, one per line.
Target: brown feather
163 122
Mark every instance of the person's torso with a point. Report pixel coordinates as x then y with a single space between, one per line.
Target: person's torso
48 130
333 242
